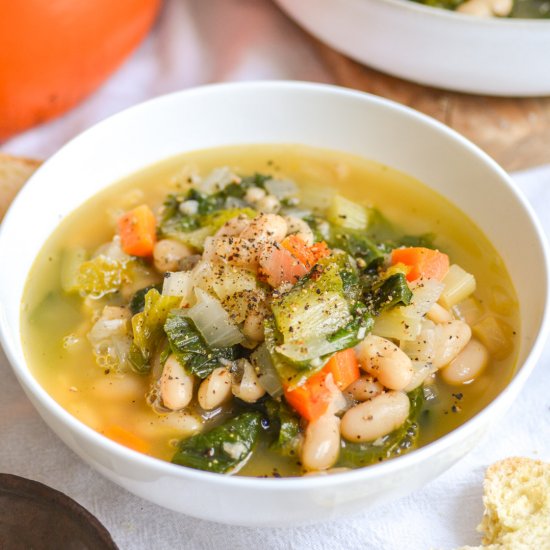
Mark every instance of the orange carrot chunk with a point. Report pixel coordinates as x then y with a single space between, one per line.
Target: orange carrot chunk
126 438
137 230
344 368
290 261
423 262
300 250
312 399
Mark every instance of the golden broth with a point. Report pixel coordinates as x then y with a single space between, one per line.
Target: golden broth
54 327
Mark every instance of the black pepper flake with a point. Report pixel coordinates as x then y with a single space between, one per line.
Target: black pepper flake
458 396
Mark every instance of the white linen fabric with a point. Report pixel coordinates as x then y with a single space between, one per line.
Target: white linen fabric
195 43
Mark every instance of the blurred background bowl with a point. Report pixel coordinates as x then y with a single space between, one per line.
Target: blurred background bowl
433 46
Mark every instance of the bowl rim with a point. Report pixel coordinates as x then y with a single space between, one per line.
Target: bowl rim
457 17
31 385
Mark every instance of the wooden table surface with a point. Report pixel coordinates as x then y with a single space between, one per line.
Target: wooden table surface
514 131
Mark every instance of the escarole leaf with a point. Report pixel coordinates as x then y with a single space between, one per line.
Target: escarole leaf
318 316
223 448
147 328
400 441
383 294
285 427
137 303
100 276
357 244
316 306
189 346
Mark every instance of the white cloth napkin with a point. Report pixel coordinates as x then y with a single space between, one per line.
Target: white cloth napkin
225 40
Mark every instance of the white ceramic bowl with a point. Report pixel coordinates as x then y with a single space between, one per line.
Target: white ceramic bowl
507 57
317 115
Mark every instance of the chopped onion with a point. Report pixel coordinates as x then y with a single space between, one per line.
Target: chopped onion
213 321
282 189
231 280
113 251
179 283
317 196
395 324
492 334
469 311
268 377
297 212
110 338
422 348
426 292
217 180
459 284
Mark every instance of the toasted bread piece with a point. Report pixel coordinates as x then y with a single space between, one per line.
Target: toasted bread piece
14 172
516 496
517 504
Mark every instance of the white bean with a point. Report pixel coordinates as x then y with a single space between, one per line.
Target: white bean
248 388
375 418
253 327
382 359
321 444
254 194
300 228
266 227
215 389
364 388
189 208
233 227
438 314
269 204
168 254
467 365
176 386
449 341
236 251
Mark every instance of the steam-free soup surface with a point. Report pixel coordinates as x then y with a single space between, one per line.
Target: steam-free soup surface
120 403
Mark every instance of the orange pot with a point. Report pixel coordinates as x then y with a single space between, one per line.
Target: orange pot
53 53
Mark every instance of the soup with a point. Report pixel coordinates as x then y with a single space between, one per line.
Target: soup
270 310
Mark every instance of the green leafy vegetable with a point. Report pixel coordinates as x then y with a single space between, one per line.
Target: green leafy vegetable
358 245
285 426
101 276
223 448
317 317
190 348
147 327
400 441
137 303
383 294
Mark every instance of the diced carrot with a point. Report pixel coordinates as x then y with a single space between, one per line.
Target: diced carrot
137 230
423 262
292 259
312 399
126 438
320 250
300 250
344 368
